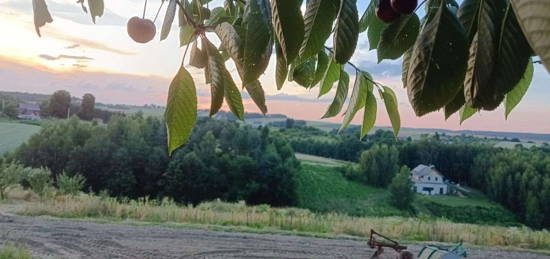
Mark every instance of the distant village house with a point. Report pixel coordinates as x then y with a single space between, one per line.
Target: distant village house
427 180
29 111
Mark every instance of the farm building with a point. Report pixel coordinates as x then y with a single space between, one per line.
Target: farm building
29 111
427 180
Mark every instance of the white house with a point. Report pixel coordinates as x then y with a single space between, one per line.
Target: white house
29 111
427 180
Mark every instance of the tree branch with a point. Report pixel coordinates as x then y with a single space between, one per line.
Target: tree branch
357 69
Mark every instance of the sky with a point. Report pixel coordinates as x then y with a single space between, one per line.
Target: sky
76 55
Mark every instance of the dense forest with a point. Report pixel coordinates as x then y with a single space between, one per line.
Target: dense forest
128 158
518 178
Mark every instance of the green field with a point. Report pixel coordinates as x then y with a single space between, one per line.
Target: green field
321 187
14 134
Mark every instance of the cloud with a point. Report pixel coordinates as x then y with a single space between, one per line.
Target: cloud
62 56
73 46
86 42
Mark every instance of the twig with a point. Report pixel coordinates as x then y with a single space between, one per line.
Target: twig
357 70
421 4
158 11
187 15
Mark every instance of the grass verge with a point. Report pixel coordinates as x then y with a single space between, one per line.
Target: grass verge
264 217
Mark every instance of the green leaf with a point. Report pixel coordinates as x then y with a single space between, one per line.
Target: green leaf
281 70
217 17
374 32
233 96
318 19
231 42
468 17
304 73
322 65
405 66
437 64
514 97
390 101
216 71
257 94
534 19
41 15
340 96
346 31
483 53
257 41
289 26
368 16
96 8
332 74
187 35
223 85
358 97
455 105
181 109
168 19
198 58
369 115
398 37
466 112
513 54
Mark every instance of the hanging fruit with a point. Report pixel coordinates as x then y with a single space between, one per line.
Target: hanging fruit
385 12
404 6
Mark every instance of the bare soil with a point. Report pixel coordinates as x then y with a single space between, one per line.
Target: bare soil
59 238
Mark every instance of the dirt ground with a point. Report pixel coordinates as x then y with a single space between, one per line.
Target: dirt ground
58 238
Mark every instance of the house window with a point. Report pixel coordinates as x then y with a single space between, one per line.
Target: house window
440 190
436 179
428 189
429 178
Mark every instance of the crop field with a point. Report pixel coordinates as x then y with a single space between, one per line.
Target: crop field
14 134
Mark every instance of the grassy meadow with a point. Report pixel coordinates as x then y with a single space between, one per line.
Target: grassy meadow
14 134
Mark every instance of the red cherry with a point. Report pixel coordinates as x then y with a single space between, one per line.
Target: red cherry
385 12
404 6
141 30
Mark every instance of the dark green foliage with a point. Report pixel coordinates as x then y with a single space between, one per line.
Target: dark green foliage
128 157
87 107
59 104
10 109
379 165
234 163
400 188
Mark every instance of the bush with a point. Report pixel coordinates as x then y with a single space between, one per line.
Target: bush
401 191
70 185
10 174
39 180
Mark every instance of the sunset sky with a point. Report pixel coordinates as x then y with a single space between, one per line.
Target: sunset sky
78 56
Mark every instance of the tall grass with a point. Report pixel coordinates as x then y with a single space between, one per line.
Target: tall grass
10 251
263 216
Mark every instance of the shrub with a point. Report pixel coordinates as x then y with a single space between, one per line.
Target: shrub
70 185
10 174
39 180
401 191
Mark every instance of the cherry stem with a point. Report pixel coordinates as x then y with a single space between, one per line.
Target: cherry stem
144 8
158 11
184 55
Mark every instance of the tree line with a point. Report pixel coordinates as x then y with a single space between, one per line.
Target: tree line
128 157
